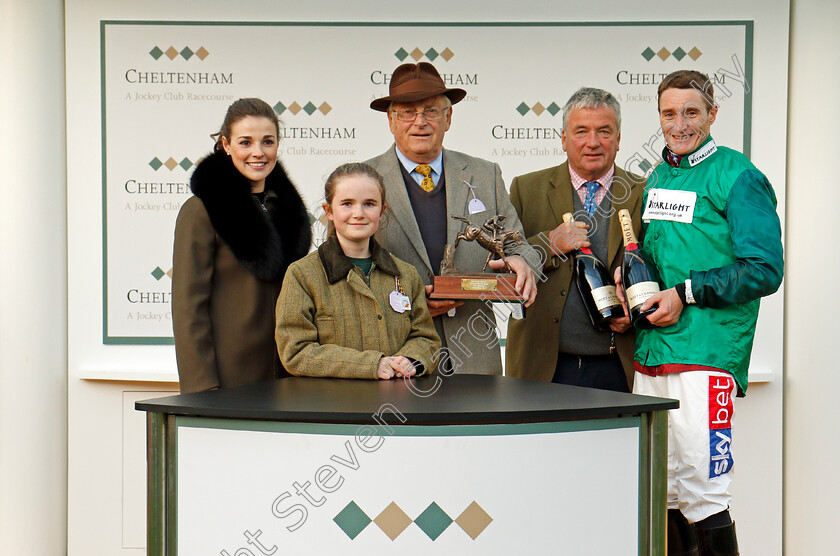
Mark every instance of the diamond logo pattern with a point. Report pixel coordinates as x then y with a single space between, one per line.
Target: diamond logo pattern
352 520
170 163
433 521
538 108
431 54
474 520
186 53
158 273
663 53
392 521
310 108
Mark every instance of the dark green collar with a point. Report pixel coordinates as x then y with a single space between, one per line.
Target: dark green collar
338 266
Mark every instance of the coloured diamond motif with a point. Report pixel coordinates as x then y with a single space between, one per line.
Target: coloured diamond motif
202 53
663 53
155 163
171 52
310 108
431 54
401 54
647 54
392 521
416 54
187 53
279 107
447 54
352 520
523 108
171 163
156 53
433 521
186 163
694 53
473 520
295 108
538 108
325 108
553 109
158 273
679 53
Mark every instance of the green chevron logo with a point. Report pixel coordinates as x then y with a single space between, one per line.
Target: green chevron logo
433 521
186 53
431 54
663 53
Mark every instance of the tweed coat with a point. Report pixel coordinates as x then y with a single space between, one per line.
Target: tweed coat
330 323
541 198
471 336
229 258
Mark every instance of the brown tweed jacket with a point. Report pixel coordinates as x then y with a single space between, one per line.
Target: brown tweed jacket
541 198
330 323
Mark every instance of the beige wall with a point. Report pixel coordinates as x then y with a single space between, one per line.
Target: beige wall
812 372
33 279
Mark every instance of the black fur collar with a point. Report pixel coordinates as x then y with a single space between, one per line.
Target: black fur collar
265 243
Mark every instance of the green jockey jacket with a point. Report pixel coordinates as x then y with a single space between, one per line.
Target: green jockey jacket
711 219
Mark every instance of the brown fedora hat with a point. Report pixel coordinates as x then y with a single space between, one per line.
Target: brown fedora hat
413 82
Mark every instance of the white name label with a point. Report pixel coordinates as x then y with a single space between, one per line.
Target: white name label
696 158
665 204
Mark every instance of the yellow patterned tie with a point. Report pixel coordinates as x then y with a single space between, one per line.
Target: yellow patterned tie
426 170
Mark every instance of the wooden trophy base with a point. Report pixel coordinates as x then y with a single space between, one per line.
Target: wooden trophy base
483 286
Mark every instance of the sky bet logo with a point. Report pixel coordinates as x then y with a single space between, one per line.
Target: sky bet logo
663 53
172 52
720 425
430 54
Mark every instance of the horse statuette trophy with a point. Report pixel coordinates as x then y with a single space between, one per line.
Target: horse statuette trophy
454 284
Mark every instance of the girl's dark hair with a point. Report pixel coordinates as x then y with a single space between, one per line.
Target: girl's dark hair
243 108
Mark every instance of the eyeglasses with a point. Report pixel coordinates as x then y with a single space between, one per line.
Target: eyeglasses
409 114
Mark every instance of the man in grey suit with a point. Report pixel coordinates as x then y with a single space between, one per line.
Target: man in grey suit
425 184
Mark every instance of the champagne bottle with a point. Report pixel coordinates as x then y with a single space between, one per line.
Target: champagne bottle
595 286
635 276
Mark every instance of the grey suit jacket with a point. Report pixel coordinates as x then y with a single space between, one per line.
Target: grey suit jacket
471 336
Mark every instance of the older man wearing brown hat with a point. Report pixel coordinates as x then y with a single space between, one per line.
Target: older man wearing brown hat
425 184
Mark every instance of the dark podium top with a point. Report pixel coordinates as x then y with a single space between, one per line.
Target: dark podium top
459 399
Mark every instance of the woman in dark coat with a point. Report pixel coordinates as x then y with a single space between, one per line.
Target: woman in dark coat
234 240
